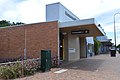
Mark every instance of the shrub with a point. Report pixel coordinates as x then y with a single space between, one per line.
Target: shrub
56 62
4 60
10 71
18 69
30 67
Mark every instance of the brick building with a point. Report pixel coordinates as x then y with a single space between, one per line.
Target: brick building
33 37
63 33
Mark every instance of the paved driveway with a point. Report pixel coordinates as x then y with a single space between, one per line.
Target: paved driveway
101 67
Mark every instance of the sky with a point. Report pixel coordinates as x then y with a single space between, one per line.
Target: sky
33 11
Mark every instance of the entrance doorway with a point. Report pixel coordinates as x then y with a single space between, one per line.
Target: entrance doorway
61 46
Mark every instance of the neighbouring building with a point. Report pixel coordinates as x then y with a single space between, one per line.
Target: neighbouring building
67 36
106 44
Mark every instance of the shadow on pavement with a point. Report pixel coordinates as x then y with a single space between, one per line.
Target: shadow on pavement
85 64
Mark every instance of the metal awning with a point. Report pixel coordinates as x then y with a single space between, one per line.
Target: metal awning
107 43
81 25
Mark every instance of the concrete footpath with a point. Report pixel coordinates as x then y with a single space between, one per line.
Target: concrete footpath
101 67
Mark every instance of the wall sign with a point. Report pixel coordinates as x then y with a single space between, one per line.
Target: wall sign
71 50
80 32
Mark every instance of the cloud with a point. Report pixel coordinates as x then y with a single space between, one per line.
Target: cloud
32 11
83 9
27 11
8 9
24 9
106 19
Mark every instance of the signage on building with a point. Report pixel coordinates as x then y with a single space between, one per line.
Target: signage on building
70 16
80 32
71 50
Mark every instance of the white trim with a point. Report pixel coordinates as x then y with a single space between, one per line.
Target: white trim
76 23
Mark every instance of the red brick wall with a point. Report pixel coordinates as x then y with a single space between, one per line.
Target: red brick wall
39 36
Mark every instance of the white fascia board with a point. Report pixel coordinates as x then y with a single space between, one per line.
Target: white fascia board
76 23
105 40
99 27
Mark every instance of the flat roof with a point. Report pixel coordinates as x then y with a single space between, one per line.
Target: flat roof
85 24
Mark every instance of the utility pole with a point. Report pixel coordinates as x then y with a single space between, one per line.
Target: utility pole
115 30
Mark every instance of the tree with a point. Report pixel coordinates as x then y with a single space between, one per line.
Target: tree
4 23
96 46
118 46
17 23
